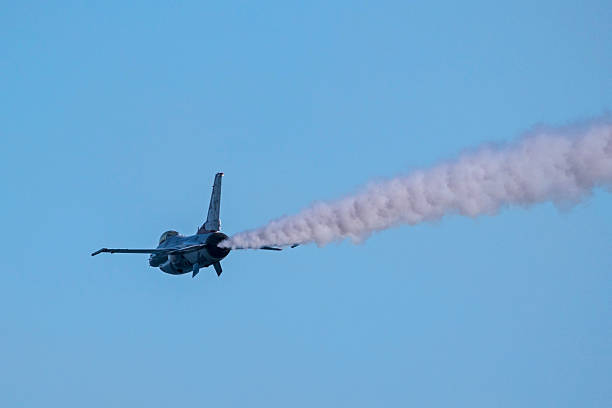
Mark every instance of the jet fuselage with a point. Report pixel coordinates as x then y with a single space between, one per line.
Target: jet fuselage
177 254
184 263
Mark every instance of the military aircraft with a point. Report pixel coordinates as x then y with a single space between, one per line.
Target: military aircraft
177 254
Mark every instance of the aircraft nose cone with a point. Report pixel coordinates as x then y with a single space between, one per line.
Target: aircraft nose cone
212 245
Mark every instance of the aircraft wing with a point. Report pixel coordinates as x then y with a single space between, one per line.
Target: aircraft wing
269 248
169 251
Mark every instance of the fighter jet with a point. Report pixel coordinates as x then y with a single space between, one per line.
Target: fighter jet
177 254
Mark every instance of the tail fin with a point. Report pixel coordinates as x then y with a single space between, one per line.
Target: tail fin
212 222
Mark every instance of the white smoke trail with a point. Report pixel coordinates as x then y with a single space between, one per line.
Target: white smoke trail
560 165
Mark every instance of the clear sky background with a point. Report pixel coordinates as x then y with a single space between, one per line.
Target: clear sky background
114 118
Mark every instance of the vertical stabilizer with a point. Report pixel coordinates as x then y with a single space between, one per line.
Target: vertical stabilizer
212 221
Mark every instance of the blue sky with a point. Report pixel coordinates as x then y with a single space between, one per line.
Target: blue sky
115 118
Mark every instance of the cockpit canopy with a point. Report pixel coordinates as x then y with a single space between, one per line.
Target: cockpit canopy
166 235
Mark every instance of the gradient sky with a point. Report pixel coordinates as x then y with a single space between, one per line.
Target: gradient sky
114 119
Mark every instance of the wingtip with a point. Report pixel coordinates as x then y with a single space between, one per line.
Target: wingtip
99 251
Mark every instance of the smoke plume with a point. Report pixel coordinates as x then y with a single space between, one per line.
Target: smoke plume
562 165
